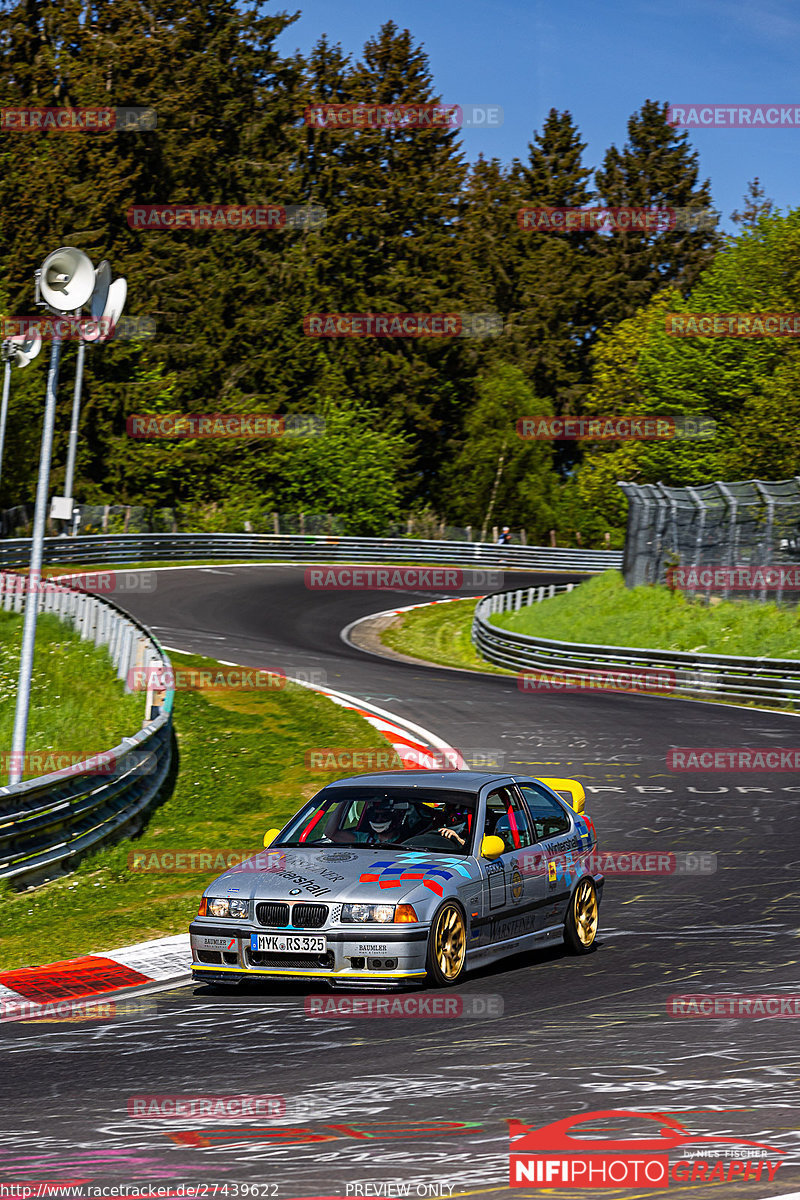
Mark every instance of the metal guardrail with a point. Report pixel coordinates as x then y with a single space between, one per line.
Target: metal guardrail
724 676
47 823
153 547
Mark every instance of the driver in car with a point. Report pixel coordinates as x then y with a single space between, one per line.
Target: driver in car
386 822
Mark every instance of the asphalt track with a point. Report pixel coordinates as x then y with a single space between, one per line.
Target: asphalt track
577 1034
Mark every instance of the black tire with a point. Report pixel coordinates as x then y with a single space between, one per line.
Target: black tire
580 927
447 946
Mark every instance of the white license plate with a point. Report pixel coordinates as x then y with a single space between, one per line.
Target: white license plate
305 943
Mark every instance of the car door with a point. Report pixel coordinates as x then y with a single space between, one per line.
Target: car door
554 851
512 890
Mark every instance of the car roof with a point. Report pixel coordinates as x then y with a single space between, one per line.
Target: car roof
445 781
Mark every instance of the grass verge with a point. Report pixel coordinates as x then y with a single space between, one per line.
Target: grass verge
603 611
242 771
77 704
439 633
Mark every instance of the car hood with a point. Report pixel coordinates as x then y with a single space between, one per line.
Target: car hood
351 873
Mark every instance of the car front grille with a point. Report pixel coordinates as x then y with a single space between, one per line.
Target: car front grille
273 914
309 916
263 958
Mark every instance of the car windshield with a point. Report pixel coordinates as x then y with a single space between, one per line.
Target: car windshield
399 818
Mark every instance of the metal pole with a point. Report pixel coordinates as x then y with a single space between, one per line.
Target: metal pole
4 409
733 508
701 527
35 572
76 413
766 541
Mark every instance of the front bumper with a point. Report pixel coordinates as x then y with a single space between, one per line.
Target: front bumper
382 957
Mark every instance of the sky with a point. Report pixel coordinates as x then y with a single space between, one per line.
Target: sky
601 60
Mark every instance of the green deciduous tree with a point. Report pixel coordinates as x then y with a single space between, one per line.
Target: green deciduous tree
747 385
495 477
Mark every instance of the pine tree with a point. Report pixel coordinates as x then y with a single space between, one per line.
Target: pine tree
756 204
655 169
389 245
225 103
555 288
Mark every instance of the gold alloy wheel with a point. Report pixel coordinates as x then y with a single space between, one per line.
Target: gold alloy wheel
585 912
450 943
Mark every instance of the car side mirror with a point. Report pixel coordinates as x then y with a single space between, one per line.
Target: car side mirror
492 847
269 837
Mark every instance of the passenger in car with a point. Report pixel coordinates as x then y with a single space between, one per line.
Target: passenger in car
457 824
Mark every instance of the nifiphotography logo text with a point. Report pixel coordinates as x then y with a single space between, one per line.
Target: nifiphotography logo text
553 1157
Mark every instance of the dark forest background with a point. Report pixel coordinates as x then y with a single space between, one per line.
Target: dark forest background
412 426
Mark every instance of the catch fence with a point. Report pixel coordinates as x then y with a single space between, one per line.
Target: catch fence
722 525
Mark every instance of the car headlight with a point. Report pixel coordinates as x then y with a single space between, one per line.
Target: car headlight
368 912
221 906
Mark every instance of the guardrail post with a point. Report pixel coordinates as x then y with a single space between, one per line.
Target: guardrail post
139 661
113 638
126 637
101 624
80 615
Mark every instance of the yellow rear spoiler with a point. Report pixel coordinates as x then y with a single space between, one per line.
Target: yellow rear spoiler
572 786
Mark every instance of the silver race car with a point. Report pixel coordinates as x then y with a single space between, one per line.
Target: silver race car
389 879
